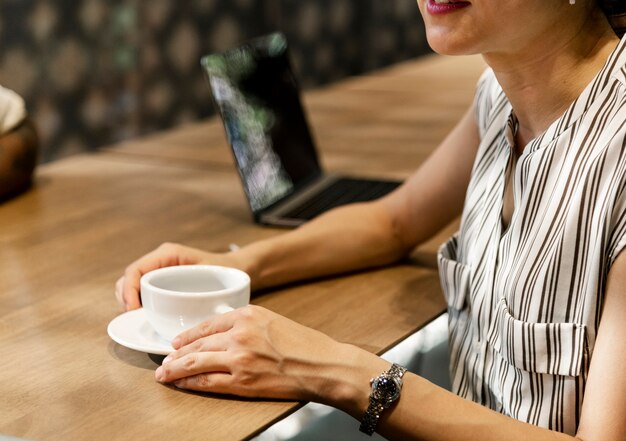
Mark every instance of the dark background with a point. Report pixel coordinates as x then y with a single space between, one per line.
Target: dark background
94 72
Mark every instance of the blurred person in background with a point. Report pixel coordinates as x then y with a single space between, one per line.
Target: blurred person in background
18 145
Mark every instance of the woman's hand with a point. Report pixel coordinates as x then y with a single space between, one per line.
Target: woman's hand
168 254
254 352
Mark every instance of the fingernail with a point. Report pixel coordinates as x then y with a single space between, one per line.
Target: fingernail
167 359
158 374
176 342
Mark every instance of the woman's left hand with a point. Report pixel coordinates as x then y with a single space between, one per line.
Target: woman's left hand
254 352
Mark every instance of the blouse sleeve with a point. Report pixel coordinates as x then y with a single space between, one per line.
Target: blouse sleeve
617 239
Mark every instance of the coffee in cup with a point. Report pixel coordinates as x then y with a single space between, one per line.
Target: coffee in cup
177 298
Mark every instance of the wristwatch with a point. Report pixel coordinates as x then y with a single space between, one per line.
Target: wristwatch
385 391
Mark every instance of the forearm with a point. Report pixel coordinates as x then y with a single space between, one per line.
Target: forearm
345 239
424 411
371 234
18 157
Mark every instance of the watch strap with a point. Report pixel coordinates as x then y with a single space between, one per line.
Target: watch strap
376 407
371 417
396 371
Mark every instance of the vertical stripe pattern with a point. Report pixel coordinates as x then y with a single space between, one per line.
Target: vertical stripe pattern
524 302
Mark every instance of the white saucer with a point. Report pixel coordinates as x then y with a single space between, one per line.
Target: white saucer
132 330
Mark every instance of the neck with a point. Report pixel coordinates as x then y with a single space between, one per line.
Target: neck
543 81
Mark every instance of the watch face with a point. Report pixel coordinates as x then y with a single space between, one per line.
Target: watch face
386 389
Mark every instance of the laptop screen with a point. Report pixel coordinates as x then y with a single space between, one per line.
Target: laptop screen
258 98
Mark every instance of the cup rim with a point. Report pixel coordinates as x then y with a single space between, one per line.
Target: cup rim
147 277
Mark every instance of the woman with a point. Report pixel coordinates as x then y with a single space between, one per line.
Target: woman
534 279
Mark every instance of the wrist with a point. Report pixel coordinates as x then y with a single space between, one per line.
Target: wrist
247 259
348 386
386 390
267 263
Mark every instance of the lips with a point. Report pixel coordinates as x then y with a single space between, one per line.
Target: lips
436 7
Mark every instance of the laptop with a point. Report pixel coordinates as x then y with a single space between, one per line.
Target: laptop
258 98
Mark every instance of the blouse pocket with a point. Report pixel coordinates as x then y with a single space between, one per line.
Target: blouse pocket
542 348
454 275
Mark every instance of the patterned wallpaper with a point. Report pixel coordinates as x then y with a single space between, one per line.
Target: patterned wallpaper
97 71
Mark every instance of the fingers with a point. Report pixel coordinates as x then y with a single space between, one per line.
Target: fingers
219 383
119 290
192 364
202 365
127 294
203 353
127 287
215 325
130 288
214 343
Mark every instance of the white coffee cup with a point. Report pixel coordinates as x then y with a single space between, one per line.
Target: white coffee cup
177 298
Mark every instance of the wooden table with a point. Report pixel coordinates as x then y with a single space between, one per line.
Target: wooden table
384 123
64 243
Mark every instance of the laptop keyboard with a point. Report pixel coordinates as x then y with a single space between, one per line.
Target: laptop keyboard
341 192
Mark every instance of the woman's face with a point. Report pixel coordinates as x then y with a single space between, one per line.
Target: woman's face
458 27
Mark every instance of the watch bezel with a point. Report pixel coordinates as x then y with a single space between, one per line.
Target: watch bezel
380 391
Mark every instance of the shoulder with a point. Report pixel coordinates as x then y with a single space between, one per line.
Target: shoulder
619 73
489 100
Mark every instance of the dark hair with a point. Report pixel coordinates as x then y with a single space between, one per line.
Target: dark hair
615 11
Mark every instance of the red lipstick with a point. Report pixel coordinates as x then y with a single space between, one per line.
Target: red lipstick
444 8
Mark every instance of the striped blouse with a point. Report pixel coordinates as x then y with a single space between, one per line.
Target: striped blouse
524 303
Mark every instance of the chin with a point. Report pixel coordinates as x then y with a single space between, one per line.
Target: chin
446 44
